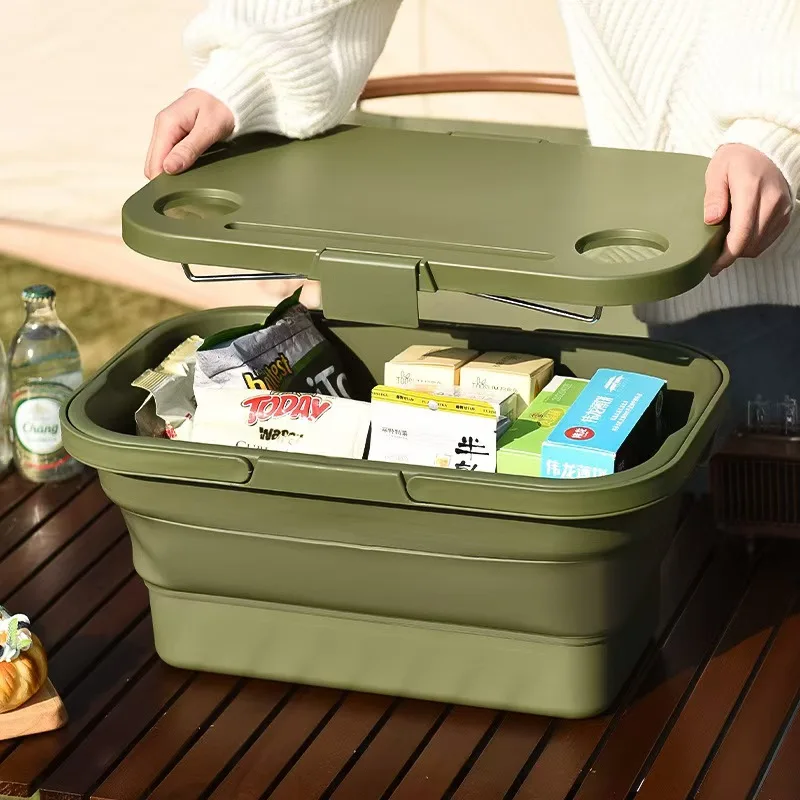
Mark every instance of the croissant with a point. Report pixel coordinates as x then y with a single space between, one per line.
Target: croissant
23 663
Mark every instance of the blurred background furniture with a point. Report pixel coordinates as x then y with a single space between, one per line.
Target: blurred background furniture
755 484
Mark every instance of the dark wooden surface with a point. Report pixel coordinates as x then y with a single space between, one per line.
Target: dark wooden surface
710 712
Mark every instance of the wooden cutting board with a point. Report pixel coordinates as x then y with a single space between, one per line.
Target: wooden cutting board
44 712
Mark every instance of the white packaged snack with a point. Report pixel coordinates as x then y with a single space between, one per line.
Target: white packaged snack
287 422
168 409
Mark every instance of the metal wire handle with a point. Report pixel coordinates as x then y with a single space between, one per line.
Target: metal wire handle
240 276
590 319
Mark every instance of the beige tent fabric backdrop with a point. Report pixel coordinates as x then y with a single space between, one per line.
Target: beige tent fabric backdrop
83 79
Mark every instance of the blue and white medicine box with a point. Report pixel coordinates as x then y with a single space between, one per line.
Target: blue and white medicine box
614 424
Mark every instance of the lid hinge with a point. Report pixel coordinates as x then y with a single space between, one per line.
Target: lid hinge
370 288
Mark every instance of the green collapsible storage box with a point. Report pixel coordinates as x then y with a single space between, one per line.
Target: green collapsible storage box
485 589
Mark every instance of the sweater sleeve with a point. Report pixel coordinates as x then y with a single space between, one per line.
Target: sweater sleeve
293 67
755 91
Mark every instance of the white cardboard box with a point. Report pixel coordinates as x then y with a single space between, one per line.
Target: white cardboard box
425 365
518 373
451 429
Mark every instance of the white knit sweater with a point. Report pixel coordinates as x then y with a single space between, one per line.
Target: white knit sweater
673 75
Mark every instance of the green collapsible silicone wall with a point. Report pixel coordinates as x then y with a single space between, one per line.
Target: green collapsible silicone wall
493 590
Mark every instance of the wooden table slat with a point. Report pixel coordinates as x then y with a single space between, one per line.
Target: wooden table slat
14 489
163 745
98 634
197 771
64 625
33 596
572 742
333 747
72 652
710 713
494 773
636 730
26 767
738 762
396 742
782 782
692 738
39 507
271 754
431 775
50 537
104 745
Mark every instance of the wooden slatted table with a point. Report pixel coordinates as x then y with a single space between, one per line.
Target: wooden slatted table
710 713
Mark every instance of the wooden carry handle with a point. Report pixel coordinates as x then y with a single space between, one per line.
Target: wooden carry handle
459 82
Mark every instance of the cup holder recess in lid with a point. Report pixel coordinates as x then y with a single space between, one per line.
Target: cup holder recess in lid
621 246
198 204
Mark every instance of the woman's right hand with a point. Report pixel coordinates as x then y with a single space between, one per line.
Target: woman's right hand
184 130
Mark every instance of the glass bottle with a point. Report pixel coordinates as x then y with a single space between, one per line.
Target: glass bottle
44 369
5 443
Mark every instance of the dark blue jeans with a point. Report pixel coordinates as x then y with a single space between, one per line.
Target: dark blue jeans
759 344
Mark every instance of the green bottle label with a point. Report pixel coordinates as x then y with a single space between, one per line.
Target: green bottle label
36 424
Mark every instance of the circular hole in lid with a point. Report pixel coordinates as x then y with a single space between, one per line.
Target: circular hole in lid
621 246
198 204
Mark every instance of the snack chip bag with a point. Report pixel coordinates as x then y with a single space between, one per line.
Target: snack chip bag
169 406
285 354
288 422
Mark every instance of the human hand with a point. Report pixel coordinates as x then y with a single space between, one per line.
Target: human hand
747 183
184 130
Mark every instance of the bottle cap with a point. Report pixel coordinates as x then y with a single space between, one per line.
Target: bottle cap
38 292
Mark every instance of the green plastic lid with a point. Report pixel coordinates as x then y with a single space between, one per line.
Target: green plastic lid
378 214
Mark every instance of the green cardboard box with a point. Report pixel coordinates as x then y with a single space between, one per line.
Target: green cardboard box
519 450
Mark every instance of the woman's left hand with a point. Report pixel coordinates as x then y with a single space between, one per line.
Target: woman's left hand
746 183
